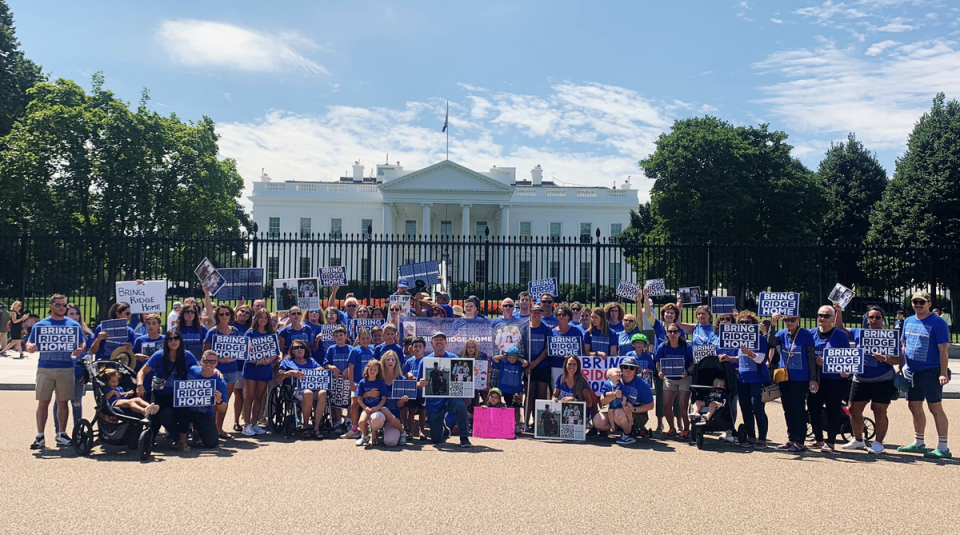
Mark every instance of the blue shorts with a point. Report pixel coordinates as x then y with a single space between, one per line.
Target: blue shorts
230 377
925 386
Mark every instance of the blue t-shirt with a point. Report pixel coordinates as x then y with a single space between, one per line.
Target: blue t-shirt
167 370
702 335
566 391
359 357
684 351
921 339
195 372
57 359
365 390
624 344
193 338
616 327
415 366
599 342
510 376
144 345
637 392
557 361
448 310
289 334
837 338
338 356
872 368
660 333
646 362
750 371
224 367
253 371
795 361
550 320
289 364
606 387
537 337
108 346
383 348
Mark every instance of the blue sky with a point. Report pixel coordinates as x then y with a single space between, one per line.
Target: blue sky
583 89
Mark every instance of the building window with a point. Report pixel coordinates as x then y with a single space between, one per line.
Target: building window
274 230
615 273
366 227
525 267
554 269
305 270
481 229
273 269
334 261
615 230
336 228
446 229
586 272
304 227
555 229
586 232
410 228
526 231
481 271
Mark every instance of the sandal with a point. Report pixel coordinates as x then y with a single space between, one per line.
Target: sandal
795 448
784 446
671 434
237 427
307 433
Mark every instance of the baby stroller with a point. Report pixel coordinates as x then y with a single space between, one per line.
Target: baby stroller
704 374
114 426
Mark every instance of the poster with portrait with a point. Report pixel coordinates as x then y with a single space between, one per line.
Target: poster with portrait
303 293
448 378
690 295
560 421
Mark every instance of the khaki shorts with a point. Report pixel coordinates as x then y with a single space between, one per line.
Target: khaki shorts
674 385
60 380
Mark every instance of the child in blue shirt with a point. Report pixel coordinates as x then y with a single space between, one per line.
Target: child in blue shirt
510 383
116 397
613 384
412 369
371 398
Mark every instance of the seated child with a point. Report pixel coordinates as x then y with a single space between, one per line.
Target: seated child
612 384
712 401
116 397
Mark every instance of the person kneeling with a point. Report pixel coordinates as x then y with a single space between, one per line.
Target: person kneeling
370 393
204 419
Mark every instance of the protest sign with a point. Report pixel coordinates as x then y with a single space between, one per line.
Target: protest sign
358 324
57 342
458 331
841 294
690 295
481 374
428 272
702 351
561 346
843 360
194 392
594 370
210 276
672 367
404 387
508 333
493 423
783 303
656 287
448 378
340 393
241 283
301 293
404 300
314 380
561 421
723 305
263 347
628 290
115 329
540 287
333 275
883 341
739 336
230 346
148 348
326 331
144 298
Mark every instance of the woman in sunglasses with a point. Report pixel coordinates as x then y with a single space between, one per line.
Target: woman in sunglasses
227 366
256 375
799 357
754 372
674 360
101 348
566 329
192 331
295 330
291 370
162 369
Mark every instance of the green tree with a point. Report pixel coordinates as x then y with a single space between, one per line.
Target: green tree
853 181
17 73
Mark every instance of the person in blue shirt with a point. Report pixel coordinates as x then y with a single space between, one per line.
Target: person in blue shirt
193 332
797 355
832 385
601 340
257 374
291 370
360 355
228 367
608 422
675 378
295 330
438 407
170 364
571 386
625 337
413 370
371 396
539 380
389 344
753 373
55 372
203 419
524 302
337 360
926 340
636 398
393 433
546 303
647 366
613 313
565 329
510 368
101 348
74 313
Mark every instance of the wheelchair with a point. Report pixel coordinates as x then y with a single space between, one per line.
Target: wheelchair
846 427
286 417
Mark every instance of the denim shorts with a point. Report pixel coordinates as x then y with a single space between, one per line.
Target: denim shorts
230 377
926 386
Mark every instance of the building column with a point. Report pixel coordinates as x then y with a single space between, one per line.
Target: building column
426 217
465 220
504 220
465 272
388 218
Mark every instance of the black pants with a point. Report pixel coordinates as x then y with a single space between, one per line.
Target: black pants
830 395
793 397
167 416
204 427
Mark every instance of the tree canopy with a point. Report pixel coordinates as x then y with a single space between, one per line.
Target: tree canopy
17 73
853 182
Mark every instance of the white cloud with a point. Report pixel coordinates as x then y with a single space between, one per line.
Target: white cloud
199 43
897 25
878 48
776 21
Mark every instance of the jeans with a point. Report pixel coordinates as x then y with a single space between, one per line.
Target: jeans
204 426
76 405
793 396
830 395
754 411
435 418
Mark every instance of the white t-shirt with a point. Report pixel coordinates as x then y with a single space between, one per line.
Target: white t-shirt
172 319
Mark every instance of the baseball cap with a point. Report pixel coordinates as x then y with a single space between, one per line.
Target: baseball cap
403 283
536 307
921 295
440 334
177 304
495 390
639 338
513 351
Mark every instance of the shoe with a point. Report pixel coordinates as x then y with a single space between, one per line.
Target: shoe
854 444
517 429
446 432
671 434
259 430
592 432
63 439
353 433
152 409
39 443
876 447
626 439
465 442
262 422
363 440
827 448
937 454
183 448
238 428
248 431
643 434
403 440
815 444
912 448
684 435
761 445
523 428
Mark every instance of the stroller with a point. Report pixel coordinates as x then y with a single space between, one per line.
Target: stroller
704 373
114 426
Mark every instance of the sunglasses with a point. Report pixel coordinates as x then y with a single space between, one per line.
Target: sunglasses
394 310
547 302
634 368
790 320
824 316
629 321
577 309
208 361
745 323
300 348
185 312
918 302
223 315
174 338
726 320
58 305
506 306
561 314
351 306
673 332
295 313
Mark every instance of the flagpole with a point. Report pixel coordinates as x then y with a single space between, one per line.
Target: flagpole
448 131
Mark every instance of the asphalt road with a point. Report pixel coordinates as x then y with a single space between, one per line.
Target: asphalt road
270 484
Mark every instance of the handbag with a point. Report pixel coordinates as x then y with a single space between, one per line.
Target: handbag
902 383
780 375
770 392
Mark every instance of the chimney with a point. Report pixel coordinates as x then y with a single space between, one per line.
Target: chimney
264 177
626 184
537 175
357 172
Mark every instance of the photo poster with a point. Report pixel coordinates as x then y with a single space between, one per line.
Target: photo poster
404 387
883 341
481 374
303 293
628 290
405 302
146 298
690 295
228 346
210 276
841 294
149 348
656 287
491 422
739 336
56 342
355 325
333 275
672 367
458 331
189 393
428 272
315 380
783 303
509 333
245 283
540 287
843 360
723 305
340 393
702 351
448 378
561 346
560 421
264 347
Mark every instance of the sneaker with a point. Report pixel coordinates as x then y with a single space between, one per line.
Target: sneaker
363 440
730 437
403 440
152 409
353 433
63 439
259 430
723 436
465 442
518 429
912 448
626 439
248 431
854 444
937 454
39 443
876 447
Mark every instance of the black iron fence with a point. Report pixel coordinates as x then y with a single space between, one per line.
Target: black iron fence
85 268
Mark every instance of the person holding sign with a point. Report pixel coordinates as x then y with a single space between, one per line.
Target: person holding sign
102 350
227 366
876 384
413 368
203 418
754 373
676 378
539 380
55 367
669 314
73 312
171 364
832 385
566 329
601 340
295 330
798 359
291 370
437 408
393 434
256 375
372 397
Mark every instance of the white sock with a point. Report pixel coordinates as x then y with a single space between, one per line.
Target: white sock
942 445
918 441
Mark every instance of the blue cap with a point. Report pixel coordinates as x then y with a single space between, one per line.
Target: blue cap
513 351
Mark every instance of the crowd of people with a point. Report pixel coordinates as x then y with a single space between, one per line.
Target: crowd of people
634 393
